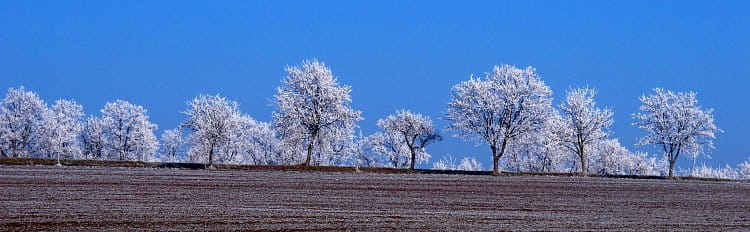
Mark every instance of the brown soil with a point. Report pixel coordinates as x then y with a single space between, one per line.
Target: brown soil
34 198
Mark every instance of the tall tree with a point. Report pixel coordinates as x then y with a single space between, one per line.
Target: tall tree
507 103
129 133
212 121
416 132
584 125
62 128
21 117
675 123
311 105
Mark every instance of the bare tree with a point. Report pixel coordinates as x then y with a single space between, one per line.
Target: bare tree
129 133
212 120
507 103
311 105
416 132
172 144
583 125
675 123
93 138
21 116
62 128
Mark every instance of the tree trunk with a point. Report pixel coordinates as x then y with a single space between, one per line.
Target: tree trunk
496 157
413 158
210 156
309 151
584 163
671 168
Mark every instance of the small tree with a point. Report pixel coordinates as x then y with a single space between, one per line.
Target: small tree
311 105
506 104
416 131
172 144
744 169
393 148
675 123
583 125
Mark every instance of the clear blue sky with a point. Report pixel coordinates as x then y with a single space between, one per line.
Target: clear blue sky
394 54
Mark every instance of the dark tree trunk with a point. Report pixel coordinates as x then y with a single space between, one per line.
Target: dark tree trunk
309 149
495 160
671 168
584 162
413 158
496 155
210 156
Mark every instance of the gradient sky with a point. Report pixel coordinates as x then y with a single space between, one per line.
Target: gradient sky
394 54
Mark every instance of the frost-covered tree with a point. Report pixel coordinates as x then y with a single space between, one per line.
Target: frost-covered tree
675 123
445 163
506 104
416 132
311 106
466 164
539 151
609 157
61 128
262 144
129 133
744 169
393 149
93 139
584 125
708 172
362 152
213 121
172 143
21 117
470 164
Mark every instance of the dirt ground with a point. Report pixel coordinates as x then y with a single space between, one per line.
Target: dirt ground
36 198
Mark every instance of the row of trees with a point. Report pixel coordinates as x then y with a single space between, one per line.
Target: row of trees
28 127
509 109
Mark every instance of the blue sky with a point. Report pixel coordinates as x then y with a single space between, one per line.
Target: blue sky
394 54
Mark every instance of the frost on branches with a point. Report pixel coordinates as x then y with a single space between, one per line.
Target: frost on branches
466 164
61 129
583 124
722 173
744 169
21 116
611 158
172 144
313 114
93 138
212 121
220 133
675 123
506 104
538 151
404 138
129 133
